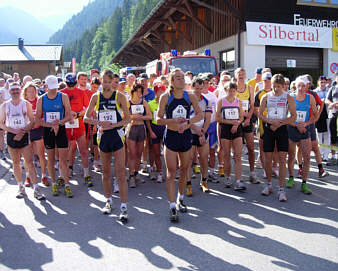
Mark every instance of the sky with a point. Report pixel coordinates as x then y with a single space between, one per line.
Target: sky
43 8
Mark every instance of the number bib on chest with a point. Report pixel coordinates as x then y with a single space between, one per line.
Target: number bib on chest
137 109
17 122
75 124
231 113
179 112
245 105
276 113
51 116
301 116
155 115
108 116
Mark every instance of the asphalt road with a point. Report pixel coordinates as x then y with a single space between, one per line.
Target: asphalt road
223 230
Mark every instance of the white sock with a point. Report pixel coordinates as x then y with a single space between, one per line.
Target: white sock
44 175
123 206
180 197
172 205
86 172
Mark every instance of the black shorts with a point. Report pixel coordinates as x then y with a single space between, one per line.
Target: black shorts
111 140
248 129
333 129
196 139
95 139
136 132
36 134
226 132
273 138
158 131
88 129
313 134
17 144
295 135
177 142
51 140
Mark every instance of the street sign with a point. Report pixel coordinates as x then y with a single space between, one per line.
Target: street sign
334 67
291 63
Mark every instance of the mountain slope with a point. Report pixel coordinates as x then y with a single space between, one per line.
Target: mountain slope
90 15
20 24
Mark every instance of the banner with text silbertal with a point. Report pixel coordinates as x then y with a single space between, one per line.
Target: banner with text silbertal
288 35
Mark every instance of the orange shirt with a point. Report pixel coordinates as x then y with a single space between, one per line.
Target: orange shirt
78 99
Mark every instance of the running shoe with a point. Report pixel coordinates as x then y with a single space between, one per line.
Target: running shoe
322 173
275 172
180 206
159 178
56 166
267 190
189 190
282 195
38 195
139 179
44 180
196 169
144 168
300 173
253 178
221 171
124 215
97 167
152 175
68 192
213 177
21 192
55 189
204 187
108 207
290 182
228 182
28 182
60 182
239 186
173 216
116 186
88 180
305 189
132 183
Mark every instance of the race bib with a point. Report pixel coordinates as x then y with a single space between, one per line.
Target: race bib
17 122
301 116
179 112
231 113
155 115
276 113
137 109
108 116
75 124
51 116
245 105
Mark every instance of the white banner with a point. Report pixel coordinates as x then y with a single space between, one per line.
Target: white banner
288 35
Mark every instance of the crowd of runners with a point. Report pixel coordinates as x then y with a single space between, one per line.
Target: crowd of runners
199 124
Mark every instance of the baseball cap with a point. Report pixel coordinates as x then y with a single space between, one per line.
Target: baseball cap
71 79
267 76
122 80
259 70
94 71
159 87
302 79
144 76
52 82
305 79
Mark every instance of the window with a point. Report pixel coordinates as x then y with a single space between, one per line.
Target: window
324 3
227 60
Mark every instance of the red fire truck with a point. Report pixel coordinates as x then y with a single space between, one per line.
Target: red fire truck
189 61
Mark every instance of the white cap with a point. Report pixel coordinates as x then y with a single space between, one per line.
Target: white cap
52 82
301 79
187 80
267 76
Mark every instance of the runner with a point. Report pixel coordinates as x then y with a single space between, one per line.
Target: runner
110 106
16 117
176 105
277 103
75 127
230 115
30 94
136 131
52 112
299 131
156 135
131 78
200 137
246 94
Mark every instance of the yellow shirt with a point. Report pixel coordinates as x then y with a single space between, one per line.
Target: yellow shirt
252 82
128 89
245 98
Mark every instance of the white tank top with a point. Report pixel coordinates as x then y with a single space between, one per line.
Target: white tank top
277 106
16 115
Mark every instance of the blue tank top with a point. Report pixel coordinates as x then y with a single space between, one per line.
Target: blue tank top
302 108
52 108
178 108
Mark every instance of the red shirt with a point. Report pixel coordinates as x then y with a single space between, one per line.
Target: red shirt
89 93
212 88
77 98
317 99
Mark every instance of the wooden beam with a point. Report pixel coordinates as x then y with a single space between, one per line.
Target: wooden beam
134 54
195 19
186 3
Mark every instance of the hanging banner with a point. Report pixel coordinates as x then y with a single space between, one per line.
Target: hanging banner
335 39
288 35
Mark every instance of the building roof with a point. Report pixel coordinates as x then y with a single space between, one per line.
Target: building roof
30 52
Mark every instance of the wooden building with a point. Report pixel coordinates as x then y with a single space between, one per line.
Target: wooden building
228 29
35 60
